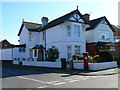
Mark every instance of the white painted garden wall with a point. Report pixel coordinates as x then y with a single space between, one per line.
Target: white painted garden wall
5 54
15 62
101 66
78 64
43 64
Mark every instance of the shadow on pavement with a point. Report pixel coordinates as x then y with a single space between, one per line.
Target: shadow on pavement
10 70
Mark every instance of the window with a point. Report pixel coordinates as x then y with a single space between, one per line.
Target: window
76 31
112 49
103 35
77 49
68 31
31 37
69 52
21 49
117 38
35 53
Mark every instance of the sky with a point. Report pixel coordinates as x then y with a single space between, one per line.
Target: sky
13 12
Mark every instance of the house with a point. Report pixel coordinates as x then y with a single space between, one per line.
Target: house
67 33
6 50
117 37
98 35
4 44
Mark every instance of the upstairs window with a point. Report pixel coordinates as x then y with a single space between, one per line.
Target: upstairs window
68 31
76 31
31 37
21 49
103 35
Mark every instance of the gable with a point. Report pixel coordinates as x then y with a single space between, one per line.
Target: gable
67 17
76 18
102 20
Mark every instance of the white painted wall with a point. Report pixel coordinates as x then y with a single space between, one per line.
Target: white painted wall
6 54
43 64
57 36
100 66
93 35
78 65
17 54
24 36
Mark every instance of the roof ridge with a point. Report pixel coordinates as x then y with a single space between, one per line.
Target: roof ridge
62 16
97 18
32 23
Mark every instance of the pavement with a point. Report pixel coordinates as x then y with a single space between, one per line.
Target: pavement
14 76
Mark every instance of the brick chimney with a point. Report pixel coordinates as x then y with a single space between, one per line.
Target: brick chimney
86 16
44 21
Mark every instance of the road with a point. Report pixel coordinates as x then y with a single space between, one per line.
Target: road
14 76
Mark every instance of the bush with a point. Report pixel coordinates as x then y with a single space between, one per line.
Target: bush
105 56
52 54
96 59
77 57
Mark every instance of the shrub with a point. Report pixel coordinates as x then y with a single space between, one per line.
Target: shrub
96 59
77 57
52 54
105 56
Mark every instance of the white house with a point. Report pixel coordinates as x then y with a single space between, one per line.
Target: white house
67 33
99 34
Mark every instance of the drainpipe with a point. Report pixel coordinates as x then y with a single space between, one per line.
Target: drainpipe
45 45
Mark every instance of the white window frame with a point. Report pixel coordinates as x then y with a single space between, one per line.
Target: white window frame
76 49
69 52
69 31
31 36
78 32
104 33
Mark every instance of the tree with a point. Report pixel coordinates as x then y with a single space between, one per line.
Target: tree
52 54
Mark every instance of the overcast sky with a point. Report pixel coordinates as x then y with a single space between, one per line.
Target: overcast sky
14 12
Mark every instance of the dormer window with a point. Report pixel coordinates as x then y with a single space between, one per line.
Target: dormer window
31 36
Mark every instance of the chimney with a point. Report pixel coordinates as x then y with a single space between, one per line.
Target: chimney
86 16
44 21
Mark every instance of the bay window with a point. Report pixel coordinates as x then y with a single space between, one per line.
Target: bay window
68 31
76 31
77 49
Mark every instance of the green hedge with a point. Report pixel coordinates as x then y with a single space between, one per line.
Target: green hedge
105 56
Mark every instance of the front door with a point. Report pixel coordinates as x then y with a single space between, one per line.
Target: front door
40 55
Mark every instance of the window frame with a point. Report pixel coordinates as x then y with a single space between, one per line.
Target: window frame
31 36
105 33
78 50
69 52
69 31
78 32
